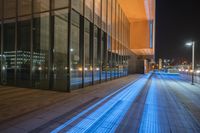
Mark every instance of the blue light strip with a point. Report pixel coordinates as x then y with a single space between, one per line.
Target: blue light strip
150 122
87 110
112 112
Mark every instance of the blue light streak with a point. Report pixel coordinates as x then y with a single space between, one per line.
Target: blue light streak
150 122
112 112
87 110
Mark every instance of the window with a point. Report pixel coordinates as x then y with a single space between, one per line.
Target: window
9 55
0 35
109 17
97 12
76 52
117 59
23 52
120 60
104 14
9 8
113 18
78 5
88 53
109 61
97 54
40 5
60 49
103 56
40 51
24 7
1 8
60 3
89 9
114 57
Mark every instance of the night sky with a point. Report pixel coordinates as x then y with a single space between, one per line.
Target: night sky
177 22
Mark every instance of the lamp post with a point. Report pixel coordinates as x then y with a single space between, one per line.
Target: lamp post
193 50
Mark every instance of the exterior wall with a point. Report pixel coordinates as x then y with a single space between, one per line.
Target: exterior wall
62 44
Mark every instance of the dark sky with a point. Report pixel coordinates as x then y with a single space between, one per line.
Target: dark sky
177 22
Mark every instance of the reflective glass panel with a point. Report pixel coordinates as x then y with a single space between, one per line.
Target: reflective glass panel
78 5
8 57
113 18
24 7
89 9
109 61
88 53
109 17
40 5
1 9
97 12
104 14
40 51
60 49
60 3
97 54
9 8
76 52
23 52
103 56
0 36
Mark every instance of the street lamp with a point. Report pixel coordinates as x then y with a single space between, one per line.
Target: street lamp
193 49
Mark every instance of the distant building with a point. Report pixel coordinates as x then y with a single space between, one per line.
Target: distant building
160 66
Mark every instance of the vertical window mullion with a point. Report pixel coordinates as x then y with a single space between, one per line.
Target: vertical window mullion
69 47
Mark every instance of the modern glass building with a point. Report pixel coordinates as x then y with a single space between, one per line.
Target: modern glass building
62 44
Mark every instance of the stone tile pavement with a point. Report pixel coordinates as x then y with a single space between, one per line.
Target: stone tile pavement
22 110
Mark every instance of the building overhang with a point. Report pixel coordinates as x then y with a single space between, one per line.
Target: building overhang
141 15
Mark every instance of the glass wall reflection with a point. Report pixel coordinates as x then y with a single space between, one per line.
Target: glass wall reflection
87 52
23 64
76 65
103 56
43 46
8 55
97 55
60 50
40 59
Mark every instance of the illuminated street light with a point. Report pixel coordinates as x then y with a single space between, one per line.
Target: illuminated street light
198 71
193 47
189 44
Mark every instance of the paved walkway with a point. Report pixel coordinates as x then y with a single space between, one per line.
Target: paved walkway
152 103
189 77
22 110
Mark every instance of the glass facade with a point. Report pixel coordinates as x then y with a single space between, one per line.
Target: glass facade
62 44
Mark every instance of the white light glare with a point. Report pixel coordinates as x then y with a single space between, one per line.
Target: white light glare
40 68
189 44
198 71
4 68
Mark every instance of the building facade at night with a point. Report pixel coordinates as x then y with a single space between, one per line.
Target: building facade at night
68 44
